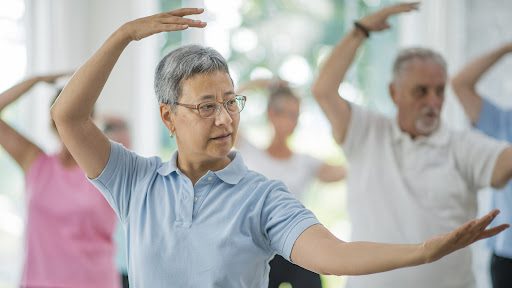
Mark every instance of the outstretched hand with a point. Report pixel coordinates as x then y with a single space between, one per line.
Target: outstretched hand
378 20
163 22
461 237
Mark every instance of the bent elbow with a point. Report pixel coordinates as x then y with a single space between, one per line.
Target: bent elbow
56 115
318 90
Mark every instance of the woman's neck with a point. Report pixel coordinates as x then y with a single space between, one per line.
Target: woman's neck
195 169
279 149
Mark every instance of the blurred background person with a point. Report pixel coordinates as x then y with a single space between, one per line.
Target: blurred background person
69 224
278 161
496 122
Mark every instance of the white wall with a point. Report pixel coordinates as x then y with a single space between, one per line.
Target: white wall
488 26
64 33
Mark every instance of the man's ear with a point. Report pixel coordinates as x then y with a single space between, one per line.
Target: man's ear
392 92
167 116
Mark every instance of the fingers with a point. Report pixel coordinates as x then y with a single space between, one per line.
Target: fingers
478 230
492 231
403 7
483 222
173 27
176 17
186 11
183 21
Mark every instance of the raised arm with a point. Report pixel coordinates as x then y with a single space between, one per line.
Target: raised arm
22 150
318 250
71 112
465 81
332 73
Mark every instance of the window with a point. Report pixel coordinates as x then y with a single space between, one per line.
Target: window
14 62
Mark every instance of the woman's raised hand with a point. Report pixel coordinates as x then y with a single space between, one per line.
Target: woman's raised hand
163 22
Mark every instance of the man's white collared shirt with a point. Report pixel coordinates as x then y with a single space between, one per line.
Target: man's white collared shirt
403 190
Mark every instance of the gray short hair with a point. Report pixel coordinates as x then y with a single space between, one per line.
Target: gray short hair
409 54
182 64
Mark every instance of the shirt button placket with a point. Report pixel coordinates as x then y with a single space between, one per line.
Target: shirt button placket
187 204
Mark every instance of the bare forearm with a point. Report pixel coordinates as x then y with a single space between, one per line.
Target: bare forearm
359 258
464 83
471 73
331 173
15 92
77 100
320 251
325 88
337 64
502 172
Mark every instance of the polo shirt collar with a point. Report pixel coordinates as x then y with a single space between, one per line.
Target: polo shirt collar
168 167
235 171
440 137
231 174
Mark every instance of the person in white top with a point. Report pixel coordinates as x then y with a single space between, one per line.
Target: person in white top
409 176
278 161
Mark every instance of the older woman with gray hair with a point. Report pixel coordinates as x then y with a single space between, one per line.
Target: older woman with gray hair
203 219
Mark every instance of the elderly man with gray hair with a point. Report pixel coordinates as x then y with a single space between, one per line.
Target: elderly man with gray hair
409 176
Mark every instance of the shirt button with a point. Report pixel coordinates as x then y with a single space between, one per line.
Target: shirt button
210 178
195 199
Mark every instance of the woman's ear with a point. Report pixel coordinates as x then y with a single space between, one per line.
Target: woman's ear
167 117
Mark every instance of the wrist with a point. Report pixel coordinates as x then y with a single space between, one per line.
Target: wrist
358 34
362 28
425 254
123 34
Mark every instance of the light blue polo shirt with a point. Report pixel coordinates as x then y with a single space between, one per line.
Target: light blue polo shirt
497 123
222 232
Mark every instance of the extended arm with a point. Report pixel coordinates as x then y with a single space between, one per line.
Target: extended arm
331 173
318 250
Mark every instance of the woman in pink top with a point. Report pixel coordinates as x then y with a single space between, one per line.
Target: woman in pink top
69 224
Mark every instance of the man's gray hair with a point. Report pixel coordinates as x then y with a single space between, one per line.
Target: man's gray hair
416 53
182 64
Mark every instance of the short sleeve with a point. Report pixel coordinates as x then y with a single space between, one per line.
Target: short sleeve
476 156
284 219
494 121
119 178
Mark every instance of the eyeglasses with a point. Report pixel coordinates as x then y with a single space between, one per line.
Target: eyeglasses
211 109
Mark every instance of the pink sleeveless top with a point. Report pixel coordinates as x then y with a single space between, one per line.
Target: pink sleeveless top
69 229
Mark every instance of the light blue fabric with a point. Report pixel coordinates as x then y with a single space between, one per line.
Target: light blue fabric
497 123
220 233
